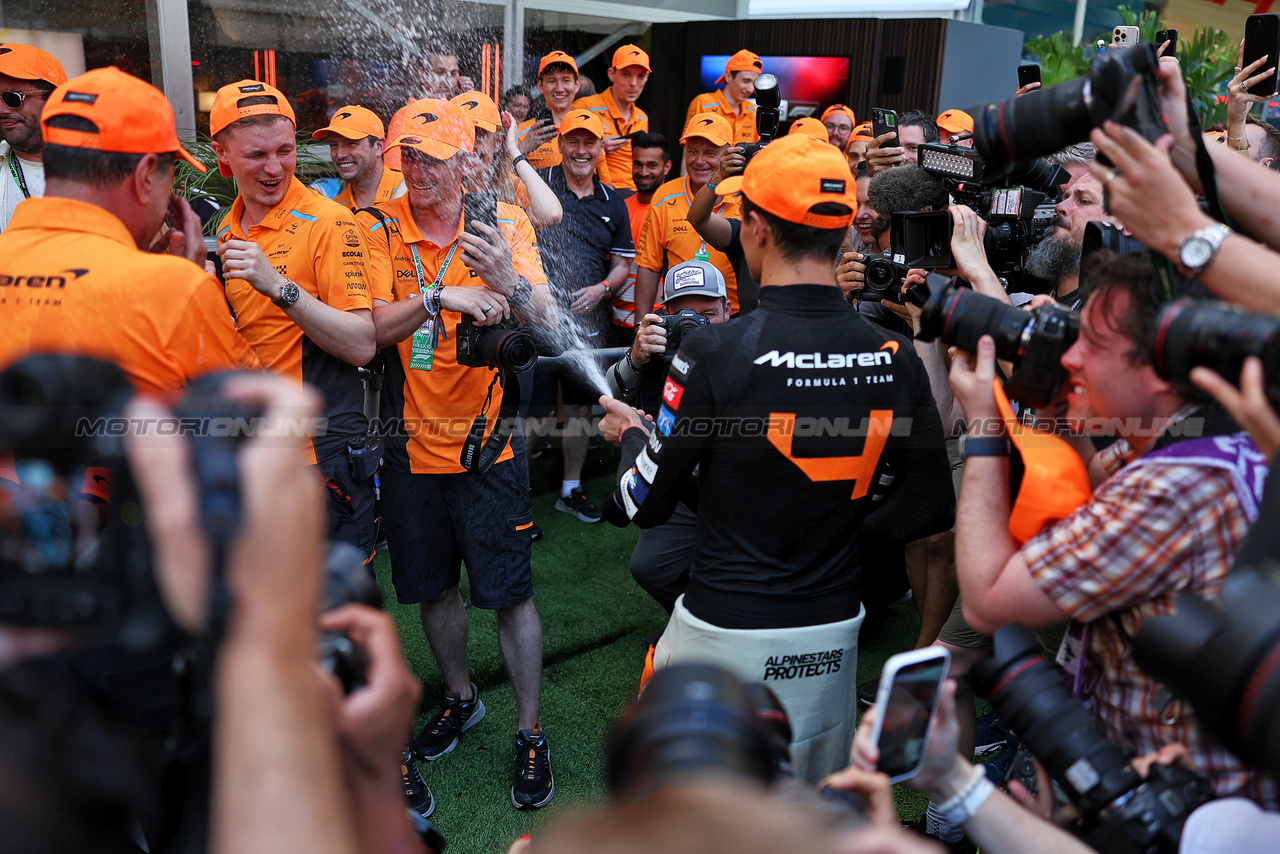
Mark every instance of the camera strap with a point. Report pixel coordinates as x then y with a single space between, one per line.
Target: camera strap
478 455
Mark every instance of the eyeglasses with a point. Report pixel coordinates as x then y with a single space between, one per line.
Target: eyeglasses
13 98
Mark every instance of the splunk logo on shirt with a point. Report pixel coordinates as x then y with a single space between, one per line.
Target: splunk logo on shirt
814 361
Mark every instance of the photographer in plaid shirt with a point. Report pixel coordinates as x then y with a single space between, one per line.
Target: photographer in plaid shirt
1171 504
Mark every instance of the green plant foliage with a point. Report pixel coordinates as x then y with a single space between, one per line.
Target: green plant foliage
313 164
1207 58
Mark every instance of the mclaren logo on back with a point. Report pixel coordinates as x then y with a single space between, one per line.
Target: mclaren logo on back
813 361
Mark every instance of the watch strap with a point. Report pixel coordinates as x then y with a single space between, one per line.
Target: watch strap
959 809
1211 234
518 159
984 446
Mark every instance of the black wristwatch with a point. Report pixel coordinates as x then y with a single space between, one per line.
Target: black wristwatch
518 159
984 446
288 294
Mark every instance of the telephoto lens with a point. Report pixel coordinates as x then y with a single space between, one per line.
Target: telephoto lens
509 346
1218 336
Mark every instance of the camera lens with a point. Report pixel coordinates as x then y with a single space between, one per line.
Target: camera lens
961 317
511 350
1039 122
1216 336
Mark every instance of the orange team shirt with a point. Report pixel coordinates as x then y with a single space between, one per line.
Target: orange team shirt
390 185
548 154
72 279
624 303
605 106
668 239
744 124
436 406
315 242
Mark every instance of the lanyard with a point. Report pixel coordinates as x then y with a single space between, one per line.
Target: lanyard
437 322
18 177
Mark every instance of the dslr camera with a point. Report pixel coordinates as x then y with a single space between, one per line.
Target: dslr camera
1122 813
768 113
1219 336
509 346
678 325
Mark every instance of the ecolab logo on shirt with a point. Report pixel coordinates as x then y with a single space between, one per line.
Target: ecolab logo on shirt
813 361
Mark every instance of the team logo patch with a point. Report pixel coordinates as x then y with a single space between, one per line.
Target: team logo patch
891 346
471 105
79 97
832 185
638 489
350 237
427 118
672 392
345 114
666 419
688 277
646 466
707 122
256 87
4 50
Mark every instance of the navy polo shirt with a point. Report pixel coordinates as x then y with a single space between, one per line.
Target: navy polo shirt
575 251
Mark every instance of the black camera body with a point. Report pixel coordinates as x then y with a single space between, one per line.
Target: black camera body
678 325
1123 814
508 346
1034 341
882 278
768 115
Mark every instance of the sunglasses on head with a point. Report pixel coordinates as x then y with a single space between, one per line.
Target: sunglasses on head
13 98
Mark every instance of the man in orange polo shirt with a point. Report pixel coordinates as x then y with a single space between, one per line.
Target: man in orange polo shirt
356 140
616 106
428 274
75 275
294 264
839 121
650 165
733 101
667 237
558 83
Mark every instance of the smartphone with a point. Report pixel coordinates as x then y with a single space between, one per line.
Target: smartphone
1262 38
480 206
1125 37
1029 73
539 111
907 705
1170 36
883 121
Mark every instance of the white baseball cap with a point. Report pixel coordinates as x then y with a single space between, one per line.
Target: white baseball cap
693 278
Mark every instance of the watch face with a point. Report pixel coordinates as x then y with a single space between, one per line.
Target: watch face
1195 253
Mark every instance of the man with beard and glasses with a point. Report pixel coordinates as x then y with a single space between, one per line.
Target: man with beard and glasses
27 76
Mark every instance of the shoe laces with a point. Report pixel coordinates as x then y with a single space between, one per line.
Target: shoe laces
532 758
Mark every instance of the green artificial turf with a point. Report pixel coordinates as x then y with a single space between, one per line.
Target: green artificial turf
595 621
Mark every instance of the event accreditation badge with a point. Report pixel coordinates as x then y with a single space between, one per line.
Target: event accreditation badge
423 348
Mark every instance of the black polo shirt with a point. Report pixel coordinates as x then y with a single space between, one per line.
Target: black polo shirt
575 251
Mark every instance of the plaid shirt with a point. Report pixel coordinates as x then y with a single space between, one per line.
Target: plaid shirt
1150 531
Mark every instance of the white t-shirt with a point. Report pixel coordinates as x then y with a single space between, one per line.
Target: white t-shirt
32 173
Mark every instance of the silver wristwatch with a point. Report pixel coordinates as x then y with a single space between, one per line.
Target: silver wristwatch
288 294
1198 249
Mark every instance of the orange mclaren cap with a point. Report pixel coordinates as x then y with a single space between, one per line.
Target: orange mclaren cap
480 109
709 126
227 109
842 110
811 127
353 122
438 129
862 133
132 116
629 54
790 175
554 57
743 60
582 120
956 121
30 63
1054 481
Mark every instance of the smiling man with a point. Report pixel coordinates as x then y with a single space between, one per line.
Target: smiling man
667 237
294 266
733 102
356 140
27 76
616 107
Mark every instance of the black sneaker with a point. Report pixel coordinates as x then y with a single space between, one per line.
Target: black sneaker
416 793
453 719
580 505
868 691
991 735
534 786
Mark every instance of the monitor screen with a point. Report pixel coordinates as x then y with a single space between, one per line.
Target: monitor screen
807 84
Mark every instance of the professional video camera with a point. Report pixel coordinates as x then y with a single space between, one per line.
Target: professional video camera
1033 341
507 346
1219 336
1121 86
1018 217
768 112
1122 813
677 326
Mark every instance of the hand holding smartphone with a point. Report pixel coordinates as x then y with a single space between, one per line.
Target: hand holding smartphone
1262 38
907 705
1028 74
479 206
884 121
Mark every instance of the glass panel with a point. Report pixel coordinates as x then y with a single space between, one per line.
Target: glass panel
86 34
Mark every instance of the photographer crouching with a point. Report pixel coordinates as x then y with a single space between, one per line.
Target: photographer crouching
693 295
807 426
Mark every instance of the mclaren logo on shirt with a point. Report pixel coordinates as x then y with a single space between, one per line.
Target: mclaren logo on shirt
56 280
814 361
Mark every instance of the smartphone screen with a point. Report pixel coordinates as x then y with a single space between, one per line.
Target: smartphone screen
907 700
479 207
883 121
1262 38
1029 73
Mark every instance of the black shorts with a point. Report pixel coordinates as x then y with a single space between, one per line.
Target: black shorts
573 389
350 505
435 522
